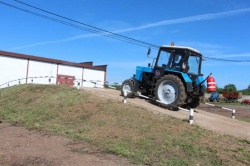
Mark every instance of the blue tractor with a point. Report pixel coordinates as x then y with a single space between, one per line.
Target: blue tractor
175 79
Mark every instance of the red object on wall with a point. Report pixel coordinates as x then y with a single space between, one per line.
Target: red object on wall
211 87
65 79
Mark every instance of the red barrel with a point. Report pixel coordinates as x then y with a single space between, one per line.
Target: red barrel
211 87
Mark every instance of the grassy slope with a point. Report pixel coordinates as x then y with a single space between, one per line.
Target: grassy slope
117 128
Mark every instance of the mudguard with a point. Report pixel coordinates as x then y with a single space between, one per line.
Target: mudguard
135 83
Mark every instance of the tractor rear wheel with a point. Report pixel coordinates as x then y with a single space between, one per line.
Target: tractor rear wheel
195 102
170 89
129 86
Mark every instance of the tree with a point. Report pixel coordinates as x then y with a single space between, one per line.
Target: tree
219 90
230 88
246 91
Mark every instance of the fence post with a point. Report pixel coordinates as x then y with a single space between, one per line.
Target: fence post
233 114
191 116
125 96
78 85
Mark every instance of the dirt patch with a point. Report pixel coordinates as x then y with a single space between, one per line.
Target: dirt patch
19 146
242 112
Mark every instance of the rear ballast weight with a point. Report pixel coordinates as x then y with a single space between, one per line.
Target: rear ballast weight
175 78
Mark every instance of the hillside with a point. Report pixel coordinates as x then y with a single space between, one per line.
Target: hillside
127 130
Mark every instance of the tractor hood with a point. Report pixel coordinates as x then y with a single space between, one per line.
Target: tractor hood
140 70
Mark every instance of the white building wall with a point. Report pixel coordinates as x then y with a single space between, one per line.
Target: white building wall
93 75
16 69
72 71
40 70
12 69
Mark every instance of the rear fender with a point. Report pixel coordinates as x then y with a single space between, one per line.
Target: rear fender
185 79
201 85
200 80
188 82
135 84
196 87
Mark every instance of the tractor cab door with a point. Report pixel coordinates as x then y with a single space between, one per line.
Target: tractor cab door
163 61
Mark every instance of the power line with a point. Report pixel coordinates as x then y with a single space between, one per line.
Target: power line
96 30
118 37
228 60
99 29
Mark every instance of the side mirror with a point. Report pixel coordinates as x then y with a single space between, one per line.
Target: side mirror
149 51
149 64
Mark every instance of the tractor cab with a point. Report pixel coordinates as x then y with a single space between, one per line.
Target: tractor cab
181 59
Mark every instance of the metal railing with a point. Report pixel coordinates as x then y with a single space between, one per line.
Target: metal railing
229 109
191 111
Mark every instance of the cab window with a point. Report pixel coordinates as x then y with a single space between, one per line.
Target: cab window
194 64
163 60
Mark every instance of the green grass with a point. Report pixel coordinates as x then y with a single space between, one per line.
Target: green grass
244 120
118 128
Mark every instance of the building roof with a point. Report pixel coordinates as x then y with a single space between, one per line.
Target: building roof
88 65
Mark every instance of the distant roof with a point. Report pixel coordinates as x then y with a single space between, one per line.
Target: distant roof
88 65
181 47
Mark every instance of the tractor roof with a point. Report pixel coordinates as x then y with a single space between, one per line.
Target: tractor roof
181 47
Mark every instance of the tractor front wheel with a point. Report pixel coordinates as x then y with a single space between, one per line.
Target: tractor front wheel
170 90
128 86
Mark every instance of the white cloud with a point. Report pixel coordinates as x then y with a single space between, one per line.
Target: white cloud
189 19
151 25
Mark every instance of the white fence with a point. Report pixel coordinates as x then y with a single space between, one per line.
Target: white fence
229 109
51 80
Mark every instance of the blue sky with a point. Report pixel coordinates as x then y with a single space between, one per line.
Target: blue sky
217 28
